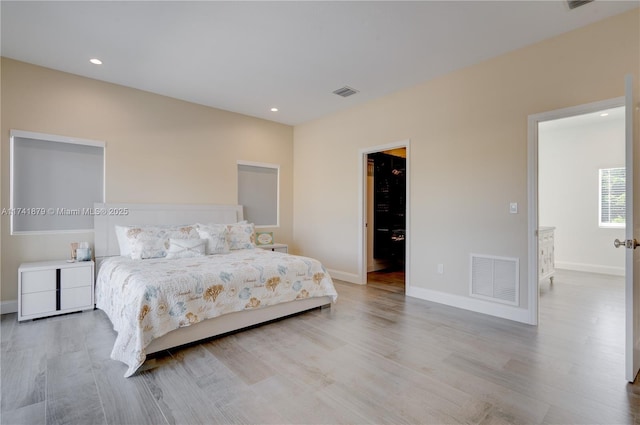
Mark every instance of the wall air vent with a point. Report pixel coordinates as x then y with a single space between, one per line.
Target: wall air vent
577 3
495 278
345 91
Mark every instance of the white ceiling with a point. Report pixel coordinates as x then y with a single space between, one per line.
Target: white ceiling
250 56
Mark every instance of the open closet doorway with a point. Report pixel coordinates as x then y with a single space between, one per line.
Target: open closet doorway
386 219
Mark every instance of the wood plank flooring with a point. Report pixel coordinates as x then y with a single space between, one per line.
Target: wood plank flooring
374 357
388 280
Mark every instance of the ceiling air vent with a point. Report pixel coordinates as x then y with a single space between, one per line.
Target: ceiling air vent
577 3
345 91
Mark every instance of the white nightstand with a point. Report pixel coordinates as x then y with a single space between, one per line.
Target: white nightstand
546 260
49 288
278 247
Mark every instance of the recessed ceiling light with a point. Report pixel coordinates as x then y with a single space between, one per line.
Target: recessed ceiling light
604 114
274 109
95 61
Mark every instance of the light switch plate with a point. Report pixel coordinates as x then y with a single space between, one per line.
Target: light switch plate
513 208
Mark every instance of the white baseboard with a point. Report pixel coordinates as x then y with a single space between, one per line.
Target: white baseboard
347 277
590 268
479 306
10 306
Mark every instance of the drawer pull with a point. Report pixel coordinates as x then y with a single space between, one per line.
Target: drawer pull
57 289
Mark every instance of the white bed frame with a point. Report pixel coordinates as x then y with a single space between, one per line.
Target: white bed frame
107 216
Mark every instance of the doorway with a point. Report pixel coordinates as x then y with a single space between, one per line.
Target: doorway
581 193
386 221
534 253
577 211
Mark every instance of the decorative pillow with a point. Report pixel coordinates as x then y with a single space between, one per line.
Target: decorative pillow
242 236
153 241
142 248
216 237
186 248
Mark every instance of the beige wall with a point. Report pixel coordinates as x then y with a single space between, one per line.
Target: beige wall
158 149
468 155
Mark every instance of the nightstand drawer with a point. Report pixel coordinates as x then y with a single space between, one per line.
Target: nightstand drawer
75 297
277 247
38 303
75 277
38 281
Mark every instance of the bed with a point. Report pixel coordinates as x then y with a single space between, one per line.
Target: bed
159 303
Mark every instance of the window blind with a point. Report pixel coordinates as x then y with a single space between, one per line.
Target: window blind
54 182
258 193
612 197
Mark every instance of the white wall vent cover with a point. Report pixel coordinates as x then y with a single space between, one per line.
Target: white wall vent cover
495 278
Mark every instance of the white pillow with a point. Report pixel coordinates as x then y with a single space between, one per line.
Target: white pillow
241 235
123 242
153 241
216 237
186 248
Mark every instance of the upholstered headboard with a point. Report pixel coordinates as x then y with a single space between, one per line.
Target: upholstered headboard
107 216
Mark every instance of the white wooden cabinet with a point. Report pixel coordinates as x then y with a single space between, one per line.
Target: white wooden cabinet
546 259
278 247
48 288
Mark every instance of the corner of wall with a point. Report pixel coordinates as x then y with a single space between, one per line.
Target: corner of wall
10 306
347 277
521 315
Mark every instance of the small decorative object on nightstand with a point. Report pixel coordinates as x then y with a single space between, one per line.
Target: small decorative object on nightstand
264 238
278 247
49 288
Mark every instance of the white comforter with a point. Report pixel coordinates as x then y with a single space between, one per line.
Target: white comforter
146 299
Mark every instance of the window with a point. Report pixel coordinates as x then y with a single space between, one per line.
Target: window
612 197
55 181
258 193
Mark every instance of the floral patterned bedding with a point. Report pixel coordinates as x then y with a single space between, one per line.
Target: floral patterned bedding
146 299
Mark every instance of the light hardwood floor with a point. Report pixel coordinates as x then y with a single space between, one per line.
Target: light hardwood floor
374 357
388 280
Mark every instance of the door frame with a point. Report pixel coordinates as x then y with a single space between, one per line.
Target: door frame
632 258
532 189
362 209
